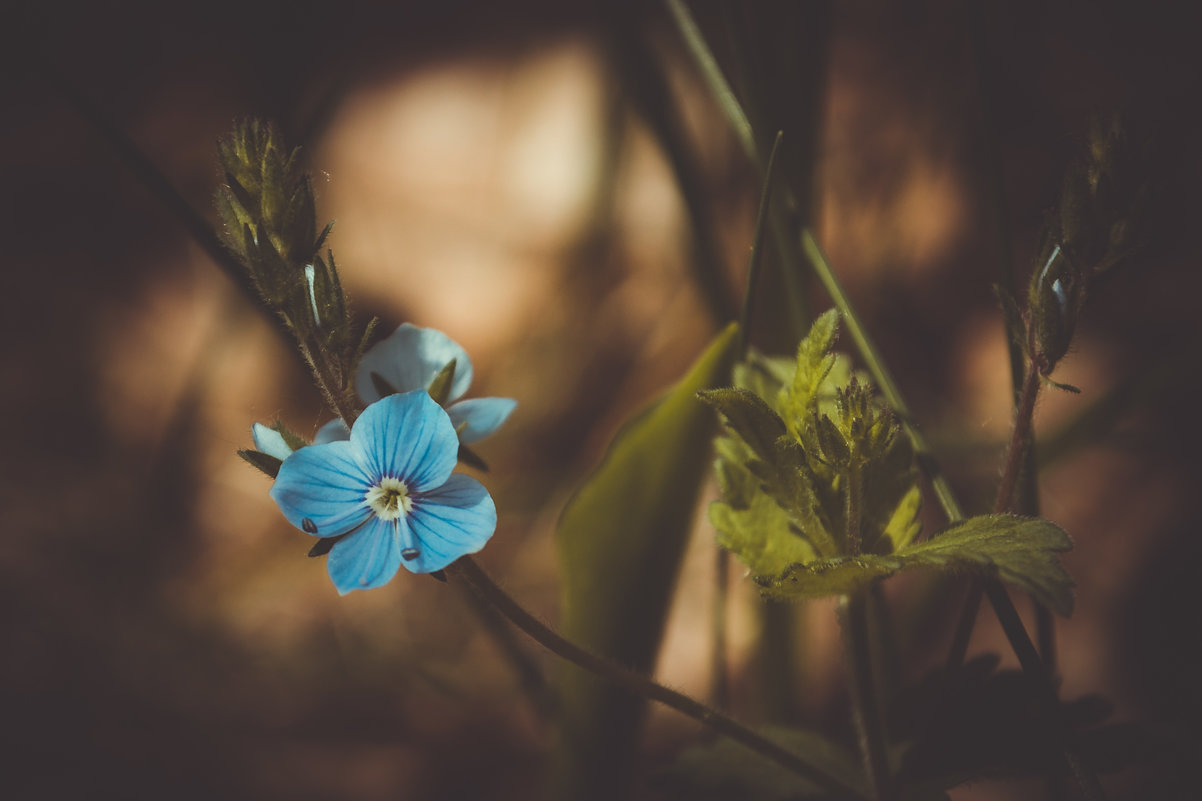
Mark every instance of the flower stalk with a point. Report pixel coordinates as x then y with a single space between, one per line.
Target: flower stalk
479 582
853 621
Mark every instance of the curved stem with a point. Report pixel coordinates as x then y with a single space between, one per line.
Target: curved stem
479 581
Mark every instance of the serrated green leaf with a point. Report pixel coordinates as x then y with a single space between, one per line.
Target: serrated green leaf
725 769
814 364
761 534
749 416
1019 550
1023 551
620 540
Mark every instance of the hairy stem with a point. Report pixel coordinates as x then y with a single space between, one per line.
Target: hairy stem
853 620
479 581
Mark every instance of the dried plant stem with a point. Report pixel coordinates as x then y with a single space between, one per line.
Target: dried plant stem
479 581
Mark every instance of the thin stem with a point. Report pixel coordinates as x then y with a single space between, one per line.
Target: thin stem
1020 438
719 675
853 620
479 581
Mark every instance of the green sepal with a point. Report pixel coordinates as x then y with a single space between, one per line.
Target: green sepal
292 439
321 238
471 458
1061 387
382 387
261 461
323 545
1018 550
440 387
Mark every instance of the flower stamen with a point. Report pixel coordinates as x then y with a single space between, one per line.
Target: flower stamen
389 498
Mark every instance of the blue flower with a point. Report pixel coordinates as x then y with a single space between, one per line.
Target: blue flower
410 359
390 490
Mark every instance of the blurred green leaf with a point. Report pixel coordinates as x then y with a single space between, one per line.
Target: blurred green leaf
725 769
621 539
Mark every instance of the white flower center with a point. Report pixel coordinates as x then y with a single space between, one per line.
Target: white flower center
389 499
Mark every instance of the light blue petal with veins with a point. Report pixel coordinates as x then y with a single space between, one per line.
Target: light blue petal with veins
482 416
455 519
367 558
408 437
409 359
269 441
333 431
324 485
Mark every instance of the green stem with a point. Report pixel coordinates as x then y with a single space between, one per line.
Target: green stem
853 620
719 678
479 581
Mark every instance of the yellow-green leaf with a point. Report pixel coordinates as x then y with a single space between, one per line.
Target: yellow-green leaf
1018 550
621 539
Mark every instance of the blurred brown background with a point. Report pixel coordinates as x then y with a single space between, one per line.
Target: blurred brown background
162 633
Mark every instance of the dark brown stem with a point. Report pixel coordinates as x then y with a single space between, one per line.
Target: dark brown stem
853 620
1020 439
479 581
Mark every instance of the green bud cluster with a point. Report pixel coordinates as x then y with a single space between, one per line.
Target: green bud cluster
811 466
1094 228
269 216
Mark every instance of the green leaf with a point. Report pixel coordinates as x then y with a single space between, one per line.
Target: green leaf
1019 550
1022 551
749 416
761 534
904 525
814 364
621 539
725 769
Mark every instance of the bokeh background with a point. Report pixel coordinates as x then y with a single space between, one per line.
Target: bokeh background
162 633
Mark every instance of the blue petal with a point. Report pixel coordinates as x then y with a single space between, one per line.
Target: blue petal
367 558
321 488
333 431
409 359
483 416
457 518
408 437
269 441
